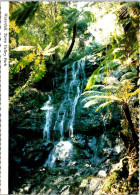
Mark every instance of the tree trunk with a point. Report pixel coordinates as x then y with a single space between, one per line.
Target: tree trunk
72 43
125 140
128 116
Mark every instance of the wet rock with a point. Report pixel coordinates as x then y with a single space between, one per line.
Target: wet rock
80 140
89 122
35 153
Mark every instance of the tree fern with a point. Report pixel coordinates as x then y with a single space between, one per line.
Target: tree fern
37 66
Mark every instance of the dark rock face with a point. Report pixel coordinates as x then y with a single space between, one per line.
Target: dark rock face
90 122
35 153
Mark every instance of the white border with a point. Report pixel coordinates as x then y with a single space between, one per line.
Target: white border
4 100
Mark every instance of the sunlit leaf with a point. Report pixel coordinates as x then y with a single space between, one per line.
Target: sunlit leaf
90 103
103 105
24 48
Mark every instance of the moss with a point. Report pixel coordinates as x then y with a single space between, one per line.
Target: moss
112 179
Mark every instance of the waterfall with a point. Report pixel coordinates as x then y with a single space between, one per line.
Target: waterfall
74 86
74 77
59 123
77 82
73 83
66 74
61 151
49 111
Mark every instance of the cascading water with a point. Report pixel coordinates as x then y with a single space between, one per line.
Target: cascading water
78 83
66 74
74 81
74 84
49 111
61 151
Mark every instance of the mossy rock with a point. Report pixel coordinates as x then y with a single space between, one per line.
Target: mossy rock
112 179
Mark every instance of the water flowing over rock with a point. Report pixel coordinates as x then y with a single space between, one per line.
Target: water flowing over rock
61 151
66 118
49 111
72 86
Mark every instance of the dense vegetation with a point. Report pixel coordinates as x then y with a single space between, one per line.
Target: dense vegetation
46 36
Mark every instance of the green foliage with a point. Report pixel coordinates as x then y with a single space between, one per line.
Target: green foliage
40 72
27 10
25 61
37 65
112 179
113 91
94 78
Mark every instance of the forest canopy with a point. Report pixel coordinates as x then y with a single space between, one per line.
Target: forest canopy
45 35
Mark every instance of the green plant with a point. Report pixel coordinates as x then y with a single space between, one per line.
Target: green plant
36 62
117 91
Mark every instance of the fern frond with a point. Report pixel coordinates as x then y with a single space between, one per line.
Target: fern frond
23 63
110 87
39 48
110 80
128 75
24 48
104 105
92 79
96 86
110 97
26 11
92 92
126 85
48 52
130 95
48 47
102 97
90 103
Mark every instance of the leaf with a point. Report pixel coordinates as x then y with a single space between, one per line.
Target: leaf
48 52
104 105
97 86
137 91
111 97
48 46
111 80
92 79
110 87
40 72
92 92
90 103
26 11
129 75
24 48
39 48
23 63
